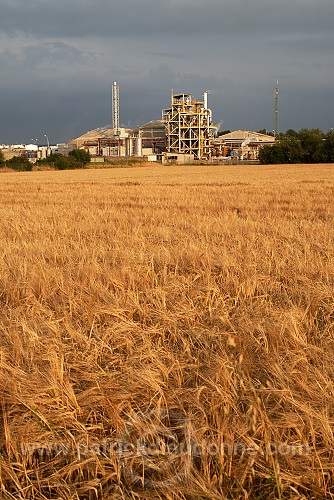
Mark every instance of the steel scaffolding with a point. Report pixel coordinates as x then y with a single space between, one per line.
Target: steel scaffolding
188 126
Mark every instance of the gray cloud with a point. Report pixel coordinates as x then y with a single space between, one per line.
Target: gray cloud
131 18
59 59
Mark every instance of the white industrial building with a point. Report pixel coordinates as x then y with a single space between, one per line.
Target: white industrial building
241 144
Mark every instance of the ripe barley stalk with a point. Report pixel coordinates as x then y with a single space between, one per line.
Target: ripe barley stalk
167 333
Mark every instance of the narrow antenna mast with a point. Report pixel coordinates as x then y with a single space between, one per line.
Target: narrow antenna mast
276 127
115 108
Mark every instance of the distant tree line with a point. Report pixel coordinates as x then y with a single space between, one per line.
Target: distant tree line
77 158
2 158
305 146
19 163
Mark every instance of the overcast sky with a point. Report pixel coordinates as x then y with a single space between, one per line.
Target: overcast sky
59 58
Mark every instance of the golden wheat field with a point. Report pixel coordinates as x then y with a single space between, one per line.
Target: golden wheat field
167 333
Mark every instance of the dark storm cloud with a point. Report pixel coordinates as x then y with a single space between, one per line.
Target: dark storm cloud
59 58
142 17
43 55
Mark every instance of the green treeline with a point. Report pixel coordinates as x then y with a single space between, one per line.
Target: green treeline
19 163
305 146
77 158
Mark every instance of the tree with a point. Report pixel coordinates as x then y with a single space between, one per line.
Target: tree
2 158
293 150
265 131
287 150
19 163
81 155
292 133
62 162
329 146
313 145
269 155
305 146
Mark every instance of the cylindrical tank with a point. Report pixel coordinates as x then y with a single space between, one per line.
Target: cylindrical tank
129 146
139 147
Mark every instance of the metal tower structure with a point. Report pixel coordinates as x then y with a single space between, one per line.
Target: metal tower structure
188 126
115 108
276 117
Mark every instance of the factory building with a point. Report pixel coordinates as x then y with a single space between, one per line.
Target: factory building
185 129
189 128
147 140
152 141
184 134
31 151
153 137
240 145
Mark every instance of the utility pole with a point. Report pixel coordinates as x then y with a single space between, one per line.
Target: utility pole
276 120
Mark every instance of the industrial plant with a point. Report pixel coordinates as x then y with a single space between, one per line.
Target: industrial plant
184 134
